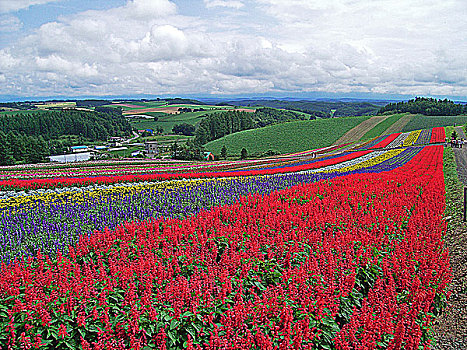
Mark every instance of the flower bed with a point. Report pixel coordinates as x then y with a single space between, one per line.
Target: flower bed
386 141
355 262
438 135
424 137
413 136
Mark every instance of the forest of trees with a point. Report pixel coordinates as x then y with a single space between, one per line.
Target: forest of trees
217 125
425 106
188 151
21 148
267 116
109 110
184 129
29 137
53 124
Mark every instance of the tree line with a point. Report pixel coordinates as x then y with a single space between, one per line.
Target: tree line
16 148
267 116
217 125
53 124
30 138
425 106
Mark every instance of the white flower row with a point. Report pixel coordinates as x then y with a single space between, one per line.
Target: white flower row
399 140
347 163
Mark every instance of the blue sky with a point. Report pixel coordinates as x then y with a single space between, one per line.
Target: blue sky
368 48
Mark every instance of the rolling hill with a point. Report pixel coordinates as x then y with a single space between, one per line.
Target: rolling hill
287 137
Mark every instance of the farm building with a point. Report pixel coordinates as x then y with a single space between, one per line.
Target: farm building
78 149
115 141
71 158
152 149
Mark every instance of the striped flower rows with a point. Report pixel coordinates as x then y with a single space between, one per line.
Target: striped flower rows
52 221
413 136
351 262
398 141
424 137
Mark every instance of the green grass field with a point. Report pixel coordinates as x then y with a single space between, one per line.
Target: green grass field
164 139
426 122
286 137
380 128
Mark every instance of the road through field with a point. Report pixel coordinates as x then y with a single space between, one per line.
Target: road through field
361 129
450 328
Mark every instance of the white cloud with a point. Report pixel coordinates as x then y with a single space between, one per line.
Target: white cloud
221 3
15 5
7 61
150 8
146 46
9 23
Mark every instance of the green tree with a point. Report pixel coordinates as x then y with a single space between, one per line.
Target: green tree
5 155
183 129
454 135
224 152
17 146
37 149
244 153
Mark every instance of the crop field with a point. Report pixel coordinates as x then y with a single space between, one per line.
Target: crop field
168 116
56 105
168 121
399 124
380 128
322 249
136 105
138 108
425 122
361 129
286 137
163 138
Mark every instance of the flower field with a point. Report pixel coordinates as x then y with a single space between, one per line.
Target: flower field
339 251
113 172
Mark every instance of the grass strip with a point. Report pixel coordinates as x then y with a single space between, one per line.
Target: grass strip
380 128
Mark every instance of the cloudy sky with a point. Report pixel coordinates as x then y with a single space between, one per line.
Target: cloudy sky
233 47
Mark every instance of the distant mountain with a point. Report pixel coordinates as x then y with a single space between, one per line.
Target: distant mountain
331 109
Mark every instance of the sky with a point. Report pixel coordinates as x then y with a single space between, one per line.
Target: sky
371 48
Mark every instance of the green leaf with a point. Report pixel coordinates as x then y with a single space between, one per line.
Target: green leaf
174 324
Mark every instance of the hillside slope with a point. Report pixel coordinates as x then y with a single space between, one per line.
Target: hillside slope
399 124
419 121
286 137
357 132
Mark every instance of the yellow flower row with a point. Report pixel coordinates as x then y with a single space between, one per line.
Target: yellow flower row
413 136
370 162
82 196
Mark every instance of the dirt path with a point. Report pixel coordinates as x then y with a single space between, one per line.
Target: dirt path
360 130
461 157
450 329
399 125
